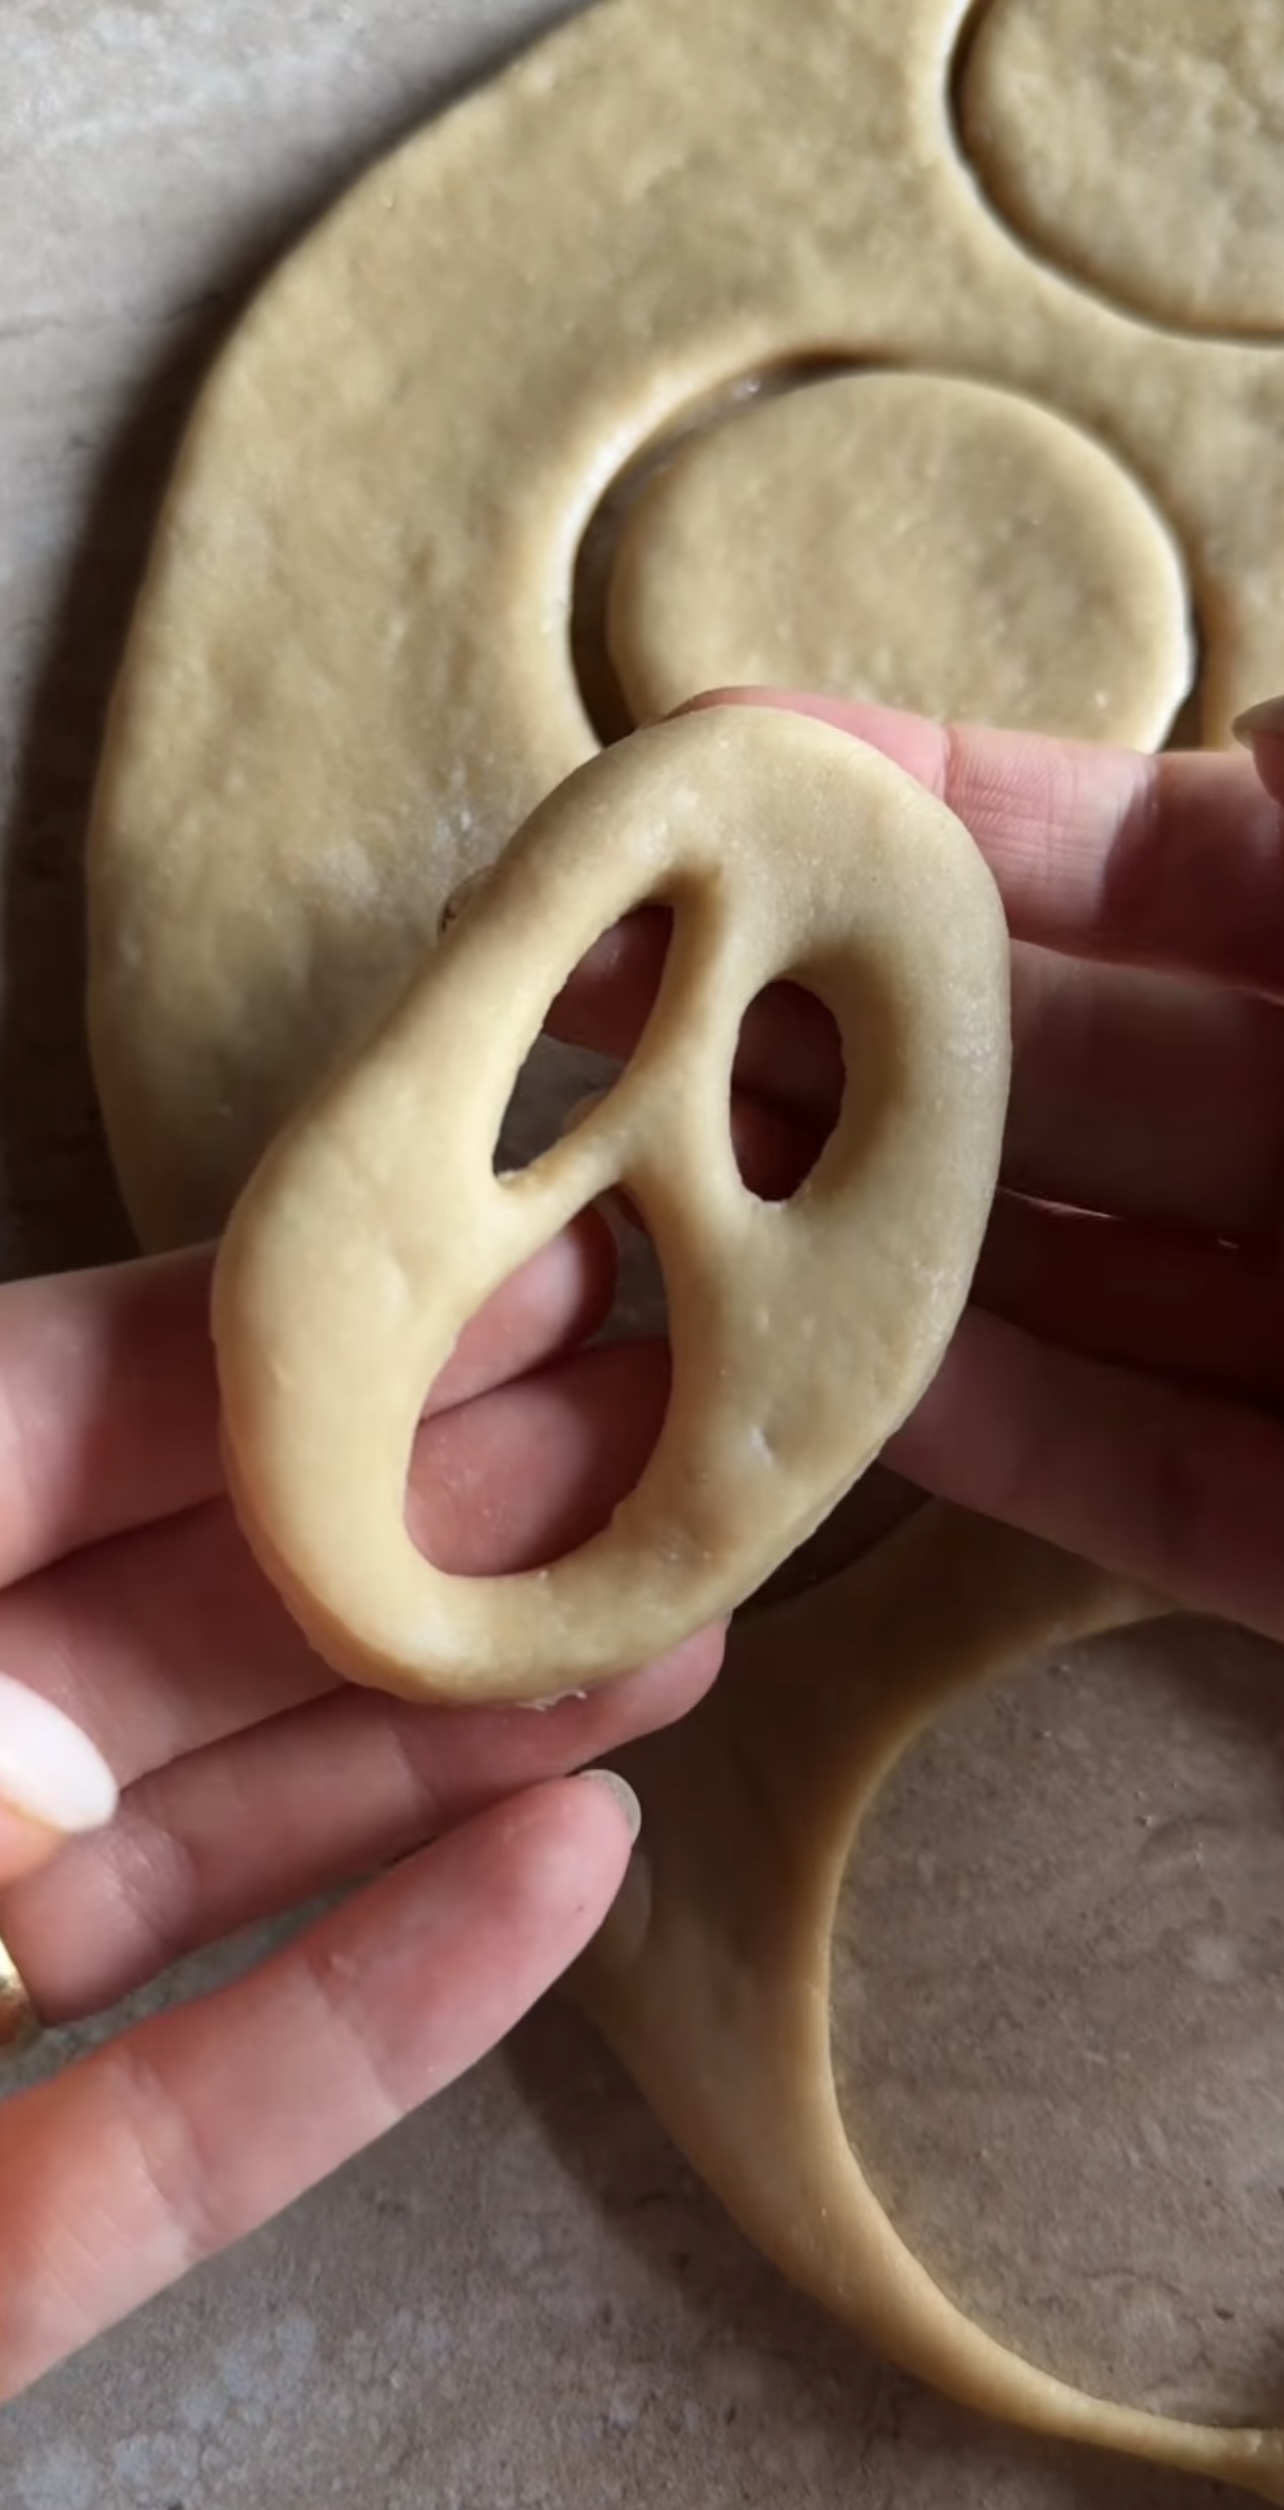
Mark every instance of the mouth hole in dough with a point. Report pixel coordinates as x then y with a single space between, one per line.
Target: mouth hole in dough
1058 2015
608 999
533 1470
778 1134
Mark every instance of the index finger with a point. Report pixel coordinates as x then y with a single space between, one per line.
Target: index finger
1172 862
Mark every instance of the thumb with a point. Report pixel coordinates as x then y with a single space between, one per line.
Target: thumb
53 1781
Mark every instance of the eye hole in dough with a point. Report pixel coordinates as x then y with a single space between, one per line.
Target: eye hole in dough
917 540
1057 2031
777 1146
1138 150
558 1087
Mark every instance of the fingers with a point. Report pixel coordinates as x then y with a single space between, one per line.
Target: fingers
533 1470
108 1414
1261 729
54 1784
293 1807
187 2132
1149 1096
1120 1086
1143 1298
1180 1491
108 1402
170 1638
1175 861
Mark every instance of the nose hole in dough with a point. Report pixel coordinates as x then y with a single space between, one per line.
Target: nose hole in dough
1058 2015
600 1013
787 1089
527 1473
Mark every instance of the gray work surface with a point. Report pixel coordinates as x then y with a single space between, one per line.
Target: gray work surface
1058 1984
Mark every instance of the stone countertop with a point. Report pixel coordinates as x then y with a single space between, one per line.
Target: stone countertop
1058 1990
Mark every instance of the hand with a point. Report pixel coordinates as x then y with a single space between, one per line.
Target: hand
251 1780
1116 1383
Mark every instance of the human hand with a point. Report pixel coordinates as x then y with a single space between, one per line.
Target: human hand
251 1780
1116 1382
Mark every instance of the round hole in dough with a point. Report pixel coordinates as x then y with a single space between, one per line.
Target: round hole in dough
1057 2027
713 1977
1139 149
919 540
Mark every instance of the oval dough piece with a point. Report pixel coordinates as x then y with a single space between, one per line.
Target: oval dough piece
711 1976
801 1333
349 677
912 539
1140 148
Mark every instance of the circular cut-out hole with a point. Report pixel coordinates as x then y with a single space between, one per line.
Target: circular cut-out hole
787 1089
1140 153
1058 2015
910 539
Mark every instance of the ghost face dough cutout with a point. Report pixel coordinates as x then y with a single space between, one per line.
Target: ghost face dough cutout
918 540
1159 177
349 676
801 1333
711 1977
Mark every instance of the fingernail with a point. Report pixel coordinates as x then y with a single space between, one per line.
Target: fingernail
1263 722
623 1793
49 1769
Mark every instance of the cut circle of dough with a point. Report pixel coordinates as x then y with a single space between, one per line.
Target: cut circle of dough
711 1977
919 540
349 675
801 1333
1157 176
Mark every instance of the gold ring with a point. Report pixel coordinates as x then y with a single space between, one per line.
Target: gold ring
19 2020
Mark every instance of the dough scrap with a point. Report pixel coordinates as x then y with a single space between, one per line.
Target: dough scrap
711 1977
1158 178
349 676
919 540
802 1333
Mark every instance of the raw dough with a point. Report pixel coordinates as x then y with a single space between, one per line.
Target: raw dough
915 539
1140 149
711 1977
802 1333
349 677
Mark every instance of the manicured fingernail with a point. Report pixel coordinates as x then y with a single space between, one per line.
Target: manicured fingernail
49 1769
1264 722
623 1793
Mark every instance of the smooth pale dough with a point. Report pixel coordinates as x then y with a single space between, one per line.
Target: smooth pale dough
349 677
711 1976
1157 175
802 1333
917 540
